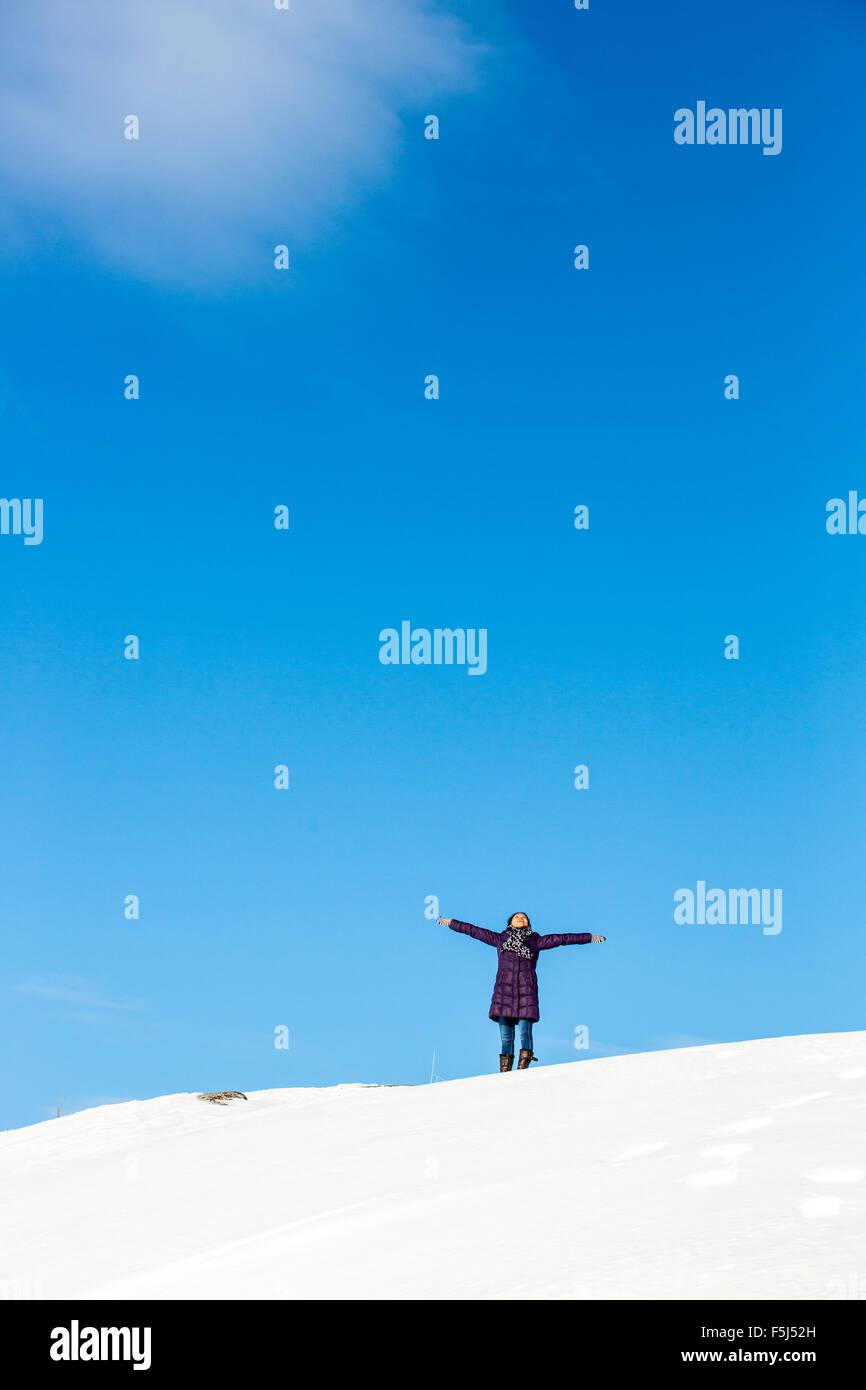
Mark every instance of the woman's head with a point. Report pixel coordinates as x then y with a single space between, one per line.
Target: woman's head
519 919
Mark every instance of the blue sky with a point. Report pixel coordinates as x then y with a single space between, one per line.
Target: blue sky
305 908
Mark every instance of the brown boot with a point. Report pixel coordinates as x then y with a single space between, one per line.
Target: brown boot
506 1062
525 1058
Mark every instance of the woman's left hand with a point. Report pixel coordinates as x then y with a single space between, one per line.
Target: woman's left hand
598 938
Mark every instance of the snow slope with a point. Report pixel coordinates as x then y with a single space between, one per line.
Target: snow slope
723 1171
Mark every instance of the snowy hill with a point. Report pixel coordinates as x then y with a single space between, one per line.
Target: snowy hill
725 1171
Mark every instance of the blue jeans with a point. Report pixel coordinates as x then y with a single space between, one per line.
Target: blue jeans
506 1034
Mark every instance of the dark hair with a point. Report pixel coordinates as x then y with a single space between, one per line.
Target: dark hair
520 914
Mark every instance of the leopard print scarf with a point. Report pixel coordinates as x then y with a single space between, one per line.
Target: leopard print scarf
516 941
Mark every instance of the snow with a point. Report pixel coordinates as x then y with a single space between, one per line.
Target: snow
730 1171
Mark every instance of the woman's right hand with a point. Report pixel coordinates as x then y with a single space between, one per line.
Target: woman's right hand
444 921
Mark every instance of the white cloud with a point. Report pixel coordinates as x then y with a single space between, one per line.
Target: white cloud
82 995
257 125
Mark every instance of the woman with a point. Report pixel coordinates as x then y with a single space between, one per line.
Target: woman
515 993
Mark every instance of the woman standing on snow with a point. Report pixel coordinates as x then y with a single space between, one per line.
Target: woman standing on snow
515 993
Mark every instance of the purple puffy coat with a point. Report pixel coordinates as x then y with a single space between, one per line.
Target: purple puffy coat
515 993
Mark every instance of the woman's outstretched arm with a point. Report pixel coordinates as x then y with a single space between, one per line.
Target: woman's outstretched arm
569 938
490 938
